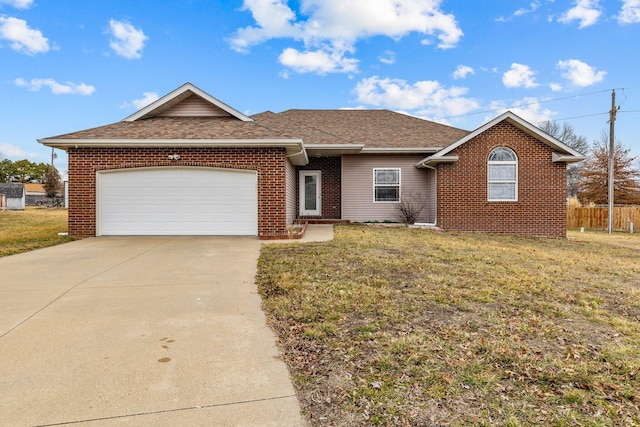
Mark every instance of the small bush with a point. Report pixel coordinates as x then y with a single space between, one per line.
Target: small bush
410 206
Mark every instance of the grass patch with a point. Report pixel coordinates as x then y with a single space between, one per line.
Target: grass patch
397 326
33 228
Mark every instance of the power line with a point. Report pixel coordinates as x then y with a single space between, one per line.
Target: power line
528 104
577 117
590 115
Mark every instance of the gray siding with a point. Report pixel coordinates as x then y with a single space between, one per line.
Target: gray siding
432 196
194 106
357 187
290 174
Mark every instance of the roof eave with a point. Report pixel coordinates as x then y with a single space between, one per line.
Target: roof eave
428 162
399 150
324 150
334 146
559 158
294 147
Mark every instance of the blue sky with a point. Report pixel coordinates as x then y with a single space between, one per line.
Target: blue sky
70 65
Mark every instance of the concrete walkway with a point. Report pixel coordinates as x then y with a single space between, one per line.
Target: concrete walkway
139 331
314 233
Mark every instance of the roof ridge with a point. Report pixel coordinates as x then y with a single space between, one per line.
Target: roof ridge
306 124
380 110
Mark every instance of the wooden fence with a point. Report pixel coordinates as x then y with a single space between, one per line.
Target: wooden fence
598 217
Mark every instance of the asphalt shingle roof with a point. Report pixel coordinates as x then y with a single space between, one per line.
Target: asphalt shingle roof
177 128
373 128
12 190
376 128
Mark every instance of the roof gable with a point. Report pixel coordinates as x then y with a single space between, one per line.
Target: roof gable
568 154
187 101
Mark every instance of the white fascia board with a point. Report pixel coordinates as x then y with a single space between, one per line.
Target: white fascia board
333 147
407 150
433 160
121 142
521 124
130 142
179 91
557 158
294 147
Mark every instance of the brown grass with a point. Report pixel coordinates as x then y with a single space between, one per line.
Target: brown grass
33 228
412 327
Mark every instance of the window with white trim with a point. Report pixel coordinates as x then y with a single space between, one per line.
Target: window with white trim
503 175
386 185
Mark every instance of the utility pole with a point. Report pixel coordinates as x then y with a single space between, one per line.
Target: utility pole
50 181
612 119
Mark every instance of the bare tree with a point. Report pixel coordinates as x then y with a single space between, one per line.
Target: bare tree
567 135
52 183
594 176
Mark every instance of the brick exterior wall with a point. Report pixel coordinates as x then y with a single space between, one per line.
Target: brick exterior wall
462 188
331 168
268 162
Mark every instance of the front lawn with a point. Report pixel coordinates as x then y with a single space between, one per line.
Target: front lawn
33 228
407 327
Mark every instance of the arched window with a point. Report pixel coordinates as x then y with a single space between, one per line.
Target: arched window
503 175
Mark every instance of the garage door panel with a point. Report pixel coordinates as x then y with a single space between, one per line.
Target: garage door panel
178 201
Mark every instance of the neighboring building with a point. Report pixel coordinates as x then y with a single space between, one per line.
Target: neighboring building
35 194
14 195
190 164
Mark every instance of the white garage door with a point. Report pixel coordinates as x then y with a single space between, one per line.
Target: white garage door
177 201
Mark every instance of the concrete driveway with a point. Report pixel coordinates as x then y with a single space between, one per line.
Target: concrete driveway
139 331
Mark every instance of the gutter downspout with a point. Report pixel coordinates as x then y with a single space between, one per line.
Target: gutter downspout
427 224
302 151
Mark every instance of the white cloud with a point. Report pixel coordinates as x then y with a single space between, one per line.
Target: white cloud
388 57
423 98
462 72
586 11
56 88
128 41
274 19
22 38
533 6
579 73
13 151
519 75
18 4
138 104
527 108
319 61
556 87
630 13
331 25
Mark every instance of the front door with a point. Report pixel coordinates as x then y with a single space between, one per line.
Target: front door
310 194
